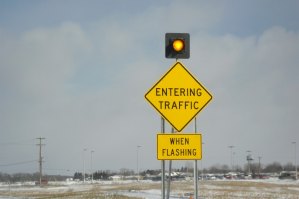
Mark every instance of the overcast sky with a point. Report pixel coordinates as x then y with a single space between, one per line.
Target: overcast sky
75 72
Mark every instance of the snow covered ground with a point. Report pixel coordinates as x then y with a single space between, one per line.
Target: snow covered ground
224 189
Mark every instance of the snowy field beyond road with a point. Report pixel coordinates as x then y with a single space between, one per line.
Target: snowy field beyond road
224 189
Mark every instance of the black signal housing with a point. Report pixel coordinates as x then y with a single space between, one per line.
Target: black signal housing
177 45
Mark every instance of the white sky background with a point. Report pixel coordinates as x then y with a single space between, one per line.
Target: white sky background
75 72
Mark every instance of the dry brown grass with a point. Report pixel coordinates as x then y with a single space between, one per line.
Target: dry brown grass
248 189
207 190
94 192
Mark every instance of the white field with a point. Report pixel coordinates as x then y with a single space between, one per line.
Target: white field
222 189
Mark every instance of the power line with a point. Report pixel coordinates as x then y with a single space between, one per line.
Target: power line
18 143
17 163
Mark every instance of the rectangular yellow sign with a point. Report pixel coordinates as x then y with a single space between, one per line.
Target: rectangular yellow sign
179 147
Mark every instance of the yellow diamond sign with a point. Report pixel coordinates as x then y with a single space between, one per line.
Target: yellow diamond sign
178 96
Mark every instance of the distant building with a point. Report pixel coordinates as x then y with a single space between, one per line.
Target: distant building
287 175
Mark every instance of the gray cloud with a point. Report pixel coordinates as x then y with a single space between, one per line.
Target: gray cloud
82 86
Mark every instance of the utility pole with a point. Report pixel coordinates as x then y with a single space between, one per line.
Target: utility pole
249 158
40 161
259 166
137 162
91 166
231 157
295 153
83 155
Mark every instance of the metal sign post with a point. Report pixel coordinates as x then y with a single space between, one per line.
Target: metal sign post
169 174
163 162
195 168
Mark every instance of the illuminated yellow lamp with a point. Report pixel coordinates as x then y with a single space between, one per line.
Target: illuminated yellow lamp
178 45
